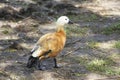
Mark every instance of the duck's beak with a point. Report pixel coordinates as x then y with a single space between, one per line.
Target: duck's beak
70 22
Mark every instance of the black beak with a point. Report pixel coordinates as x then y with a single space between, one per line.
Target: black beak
70 22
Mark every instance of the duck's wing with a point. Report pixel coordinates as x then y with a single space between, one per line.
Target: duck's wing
41 41
42 45
36 46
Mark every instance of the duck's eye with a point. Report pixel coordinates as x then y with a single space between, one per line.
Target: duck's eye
66 19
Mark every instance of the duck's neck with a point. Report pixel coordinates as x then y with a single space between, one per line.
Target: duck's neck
60 28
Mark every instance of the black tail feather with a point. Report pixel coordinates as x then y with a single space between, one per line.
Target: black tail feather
31 61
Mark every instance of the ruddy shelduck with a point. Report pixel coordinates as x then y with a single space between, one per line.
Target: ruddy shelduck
50 44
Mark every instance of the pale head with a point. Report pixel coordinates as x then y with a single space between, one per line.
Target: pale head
63 20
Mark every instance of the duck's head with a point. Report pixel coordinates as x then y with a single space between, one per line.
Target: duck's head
63 20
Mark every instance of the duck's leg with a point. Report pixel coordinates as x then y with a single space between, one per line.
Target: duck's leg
55 63
38 64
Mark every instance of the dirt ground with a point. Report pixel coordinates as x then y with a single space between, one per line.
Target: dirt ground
88 54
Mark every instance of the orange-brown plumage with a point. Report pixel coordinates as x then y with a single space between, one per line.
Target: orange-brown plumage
52 41
50 44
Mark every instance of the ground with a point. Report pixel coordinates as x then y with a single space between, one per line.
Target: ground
92 50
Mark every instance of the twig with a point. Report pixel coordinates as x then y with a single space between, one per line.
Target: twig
73 42
20 16
70 52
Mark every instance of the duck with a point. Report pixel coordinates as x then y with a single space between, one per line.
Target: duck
50 44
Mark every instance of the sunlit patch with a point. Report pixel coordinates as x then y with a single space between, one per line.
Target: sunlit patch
25 45
102 7
106 45
97 62
3 65
115 57
94 76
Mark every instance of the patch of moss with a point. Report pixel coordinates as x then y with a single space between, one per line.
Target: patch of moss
5 32
112 71
117 44
81 60
73 30
83 17
3 74
104 66
79 74
96 65
115 28
11 50
92 44
101 65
